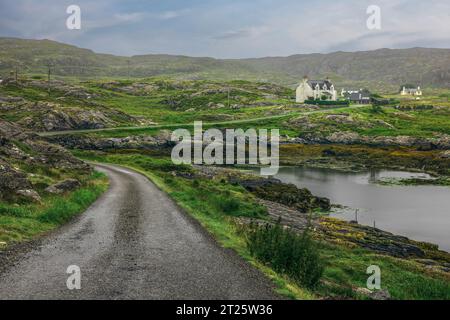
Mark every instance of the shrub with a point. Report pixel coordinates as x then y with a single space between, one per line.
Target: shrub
376 109
328 103
229 205
295 255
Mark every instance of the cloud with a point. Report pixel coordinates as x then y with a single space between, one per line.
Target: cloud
129 17
172 14
233 35
231 28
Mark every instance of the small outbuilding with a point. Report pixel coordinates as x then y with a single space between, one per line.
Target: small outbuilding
360 98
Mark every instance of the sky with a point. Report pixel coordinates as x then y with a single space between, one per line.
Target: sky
230 28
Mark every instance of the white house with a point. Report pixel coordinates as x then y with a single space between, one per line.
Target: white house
411 91
316 90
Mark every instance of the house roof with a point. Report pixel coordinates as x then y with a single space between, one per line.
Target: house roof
359 96
321 83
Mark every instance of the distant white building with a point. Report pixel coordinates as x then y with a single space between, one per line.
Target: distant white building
411 91
345 93
315 90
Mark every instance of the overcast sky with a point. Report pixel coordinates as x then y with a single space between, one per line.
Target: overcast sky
230 28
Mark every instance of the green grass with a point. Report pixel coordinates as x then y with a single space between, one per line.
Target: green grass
27 221
344 267
404 279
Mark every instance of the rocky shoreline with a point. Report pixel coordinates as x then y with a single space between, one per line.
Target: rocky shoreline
441 142
297 209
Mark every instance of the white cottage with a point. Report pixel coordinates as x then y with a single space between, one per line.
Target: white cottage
411 91
315 89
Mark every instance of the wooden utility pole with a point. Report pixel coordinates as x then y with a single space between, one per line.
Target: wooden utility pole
128 68
49 66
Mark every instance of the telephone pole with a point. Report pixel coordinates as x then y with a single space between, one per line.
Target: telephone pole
49 73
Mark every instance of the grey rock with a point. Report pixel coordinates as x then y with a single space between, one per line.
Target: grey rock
381 295
375 295
64 186
30 195
12 179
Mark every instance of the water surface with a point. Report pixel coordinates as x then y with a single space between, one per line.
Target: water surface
417 212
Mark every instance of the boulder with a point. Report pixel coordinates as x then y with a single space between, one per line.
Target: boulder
381 295
11 179
375 295
29 195
64 186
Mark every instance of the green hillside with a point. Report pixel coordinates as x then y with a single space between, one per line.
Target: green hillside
383 69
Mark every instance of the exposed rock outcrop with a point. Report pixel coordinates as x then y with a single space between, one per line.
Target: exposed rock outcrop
287 194
50 116
20 151
441 142
144 142
64 186
29 195
11 180
46 116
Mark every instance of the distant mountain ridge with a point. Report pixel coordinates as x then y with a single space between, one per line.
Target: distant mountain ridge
379 69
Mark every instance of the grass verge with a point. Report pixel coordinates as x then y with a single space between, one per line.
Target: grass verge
27 221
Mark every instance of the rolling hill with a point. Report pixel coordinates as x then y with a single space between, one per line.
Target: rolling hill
383 69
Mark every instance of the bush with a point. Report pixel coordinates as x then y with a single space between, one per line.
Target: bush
287 252
229 205
328 103
376 109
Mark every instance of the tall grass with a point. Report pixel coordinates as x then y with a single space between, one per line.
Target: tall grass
287 252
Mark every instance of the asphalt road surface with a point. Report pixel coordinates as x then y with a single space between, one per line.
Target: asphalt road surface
133 243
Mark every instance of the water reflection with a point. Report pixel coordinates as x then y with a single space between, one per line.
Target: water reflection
419 212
